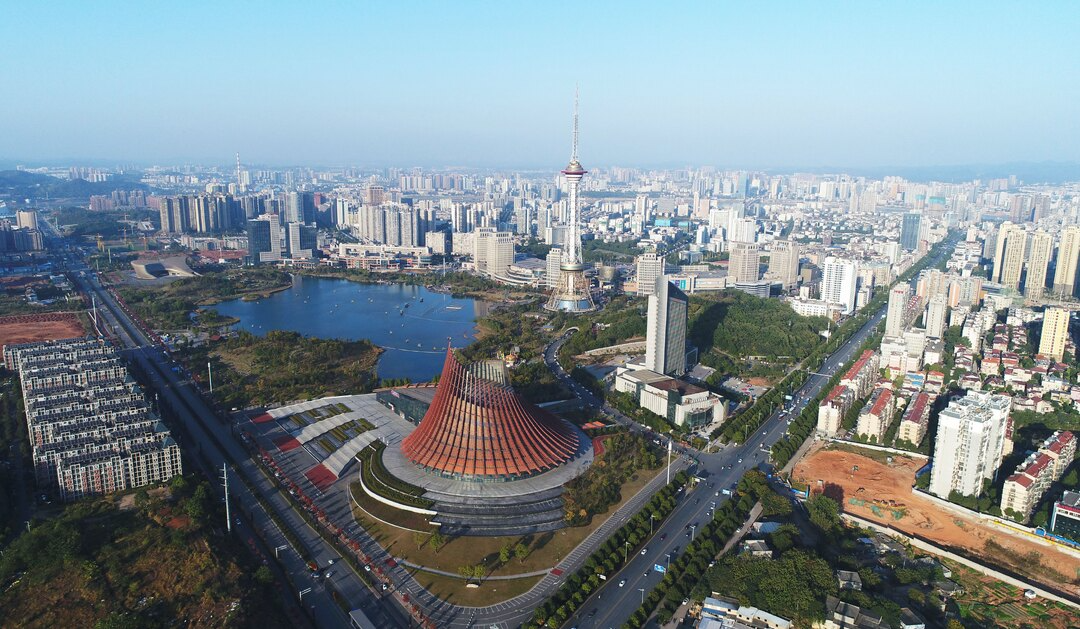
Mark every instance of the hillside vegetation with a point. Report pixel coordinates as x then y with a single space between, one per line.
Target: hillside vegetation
156 563
742 325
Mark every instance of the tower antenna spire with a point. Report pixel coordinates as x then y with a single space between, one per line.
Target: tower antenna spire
573 156
239 182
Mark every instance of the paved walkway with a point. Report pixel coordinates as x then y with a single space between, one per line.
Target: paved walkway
501 577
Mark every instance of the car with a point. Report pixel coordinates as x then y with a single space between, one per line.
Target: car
592 613
646 574
622 583
644 550
237 521
329 573
663 536
384 587
716 493
330 562
367 568
740 460
685 601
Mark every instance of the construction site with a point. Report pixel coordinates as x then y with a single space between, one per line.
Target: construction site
878 487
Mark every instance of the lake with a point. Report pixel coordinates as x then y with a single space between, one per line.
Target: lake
411 323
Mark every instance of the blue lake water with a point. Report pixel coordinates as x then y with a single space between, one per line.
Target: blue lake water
414 333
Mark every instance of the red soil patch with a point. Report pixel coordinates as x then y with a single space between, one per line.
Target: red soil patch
892 485
598 445
39 327
320 477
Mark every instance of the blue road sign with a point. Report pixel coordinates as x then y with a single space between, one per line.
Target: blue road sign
657 567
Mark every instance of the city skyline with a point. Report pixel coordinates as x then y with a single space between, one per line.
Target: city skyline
734 87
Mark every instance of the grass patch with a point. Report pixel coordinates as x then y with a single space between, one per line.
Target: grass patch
385 484
386 513
453 590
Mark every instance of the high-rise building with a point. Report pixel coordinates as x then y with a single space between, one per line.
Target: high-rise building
1055 331
666 329
553 262
572 292
1009 256
909 230
650 266
27 219
1041 247
1068 256
896 314
839 283
935 317
264 239
745 262
301 241
970 444
784 263
493 251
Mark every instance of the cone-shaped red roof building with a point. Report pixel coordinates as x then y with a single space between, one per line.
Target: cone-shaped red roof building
477 428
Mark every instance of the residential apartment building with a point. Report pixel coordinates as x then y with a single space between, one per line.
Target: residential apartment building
1036 473
91 430
970 443
916 419
876 416
1055 331
863 374
1067 257
839 283
832 409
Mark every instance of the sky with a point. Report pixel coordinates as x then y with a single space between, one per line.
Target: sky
491 84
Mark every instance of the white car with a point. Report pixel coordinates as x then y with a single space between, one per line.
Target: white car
622 583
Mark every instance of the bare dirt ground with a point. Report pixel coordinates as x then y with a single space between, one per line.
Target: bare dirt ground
44 327
881 492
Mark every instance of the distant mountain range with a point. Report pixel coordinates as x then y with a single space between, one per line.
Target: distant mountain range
19 184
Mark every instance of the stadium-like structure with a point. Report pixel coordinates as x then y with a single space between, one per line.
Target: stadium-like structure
478 429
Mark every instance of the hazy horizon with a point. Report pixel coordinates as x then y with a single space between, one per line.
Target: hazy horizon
841 87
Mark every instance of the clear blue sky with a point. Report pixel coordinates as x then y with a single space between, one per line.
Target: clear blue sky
734 84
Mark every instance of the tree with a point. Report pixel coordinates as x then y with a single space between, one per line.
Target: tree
504 553
437 541
419 539
824 513
198 504
263 575
521 551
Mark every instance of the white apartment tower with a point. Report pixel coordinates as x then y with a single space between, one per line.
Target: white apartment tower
1040 249
838 284
896 315
970 443
1055 331
650 266
1009 255
1067 257
935 317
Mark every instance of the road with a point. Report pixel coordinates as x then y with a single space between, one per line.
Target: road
214 443
613 604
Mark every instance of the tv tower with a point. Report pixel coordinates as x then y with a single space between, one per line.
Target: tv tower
240 187
571 292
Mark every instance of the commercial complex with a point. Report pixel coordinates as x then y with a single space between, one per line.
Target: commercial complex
91 430
679 402
972 438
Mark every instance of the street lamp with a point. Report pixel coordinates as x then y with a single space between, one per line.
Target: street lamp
642 590
693 530
651 517
667 564
625 546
